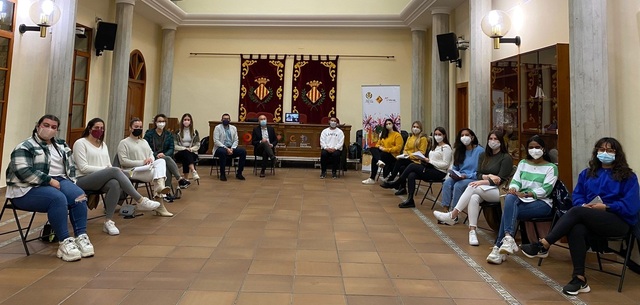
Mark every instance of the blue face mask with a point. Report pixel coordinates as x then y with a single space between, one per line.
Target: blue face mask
606 158
263 123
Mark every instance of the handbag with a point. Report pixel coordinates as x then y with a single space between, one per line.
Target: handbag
47 234
142 175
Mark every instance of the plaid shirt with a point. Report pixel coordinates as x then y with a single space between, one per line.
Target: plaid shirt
29 165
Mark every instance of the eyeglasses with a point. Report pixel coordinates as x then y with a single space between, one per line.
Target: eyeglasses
608 150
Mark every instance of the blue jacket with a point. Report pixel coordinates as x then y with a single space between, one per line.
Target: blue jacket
621 197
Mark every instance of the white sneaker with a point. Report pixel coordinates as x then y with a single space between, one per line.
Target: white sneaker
68 250
368 181
147 204
110 228
444 217
84 245
509 246
380 163
195 176
473 238
495 257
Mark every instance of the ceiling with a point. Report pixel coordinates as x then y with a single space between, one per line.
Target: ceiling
379 13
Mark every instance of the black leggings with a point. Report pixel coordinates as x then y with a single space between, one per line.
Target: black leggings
186 158
415 172
399 167
378 155
580 223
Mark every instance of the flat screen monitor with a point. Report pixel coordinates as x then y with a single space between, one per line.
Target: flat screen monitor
291 117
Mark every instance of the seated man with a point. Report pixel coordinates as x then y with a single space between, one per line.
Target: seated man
331 143
264 140
225 145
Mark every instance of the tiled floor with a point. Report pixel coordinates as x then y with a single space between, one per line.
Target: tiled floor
289 239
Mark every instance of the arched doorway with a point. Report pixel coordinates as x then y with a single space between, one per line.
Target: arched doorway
135 88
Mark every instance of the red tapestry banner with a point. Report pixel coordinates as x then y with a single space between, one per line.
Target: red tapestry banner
261 87
314 88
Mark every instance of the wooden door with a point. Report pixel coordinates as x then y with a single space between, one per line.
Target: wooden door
135 89
462 107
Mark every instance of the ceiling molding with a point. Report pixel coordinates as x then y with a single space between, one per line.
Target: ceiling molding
415 10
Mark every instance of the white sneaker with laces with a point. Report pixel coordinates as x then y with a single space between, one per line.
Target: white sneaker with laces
368 181
495 257
110 228
68 250
195 176
147 204
444 217
509 246
84 245
473 238
381 164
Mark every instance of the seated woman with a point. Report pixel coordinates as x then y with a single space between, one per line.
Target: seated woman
528 197
385 151
465 164
494 168
417 142
96 174
135 152
186 144
40 178
432 168
605 204
161 142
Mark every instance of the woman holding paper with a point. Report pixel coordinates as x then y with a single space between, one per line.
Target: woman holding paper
528 196
433 168
95 174
465 166
494 168
384 153
417 142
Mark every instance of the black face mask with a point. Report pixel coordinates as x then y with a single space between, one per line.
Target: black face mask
137 132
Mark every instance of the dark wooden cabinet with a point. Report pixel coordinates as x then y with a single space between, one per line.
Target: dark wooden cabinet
530 96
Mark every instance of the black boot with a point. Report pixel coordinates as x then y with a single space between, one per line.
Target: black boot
407 204
401 191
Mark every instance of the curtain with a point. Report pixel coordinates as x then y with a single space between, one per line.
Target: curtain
314 87
261 87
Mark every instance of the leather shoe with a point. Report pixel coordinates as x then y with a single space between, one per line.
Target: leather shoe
223 178
407 204
240 177
386 185
262 174
401 191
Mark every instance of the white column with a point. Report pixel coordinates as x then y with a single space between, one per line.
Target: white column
166 69
60 65
120 74
439 73
418 36
479 71
590 113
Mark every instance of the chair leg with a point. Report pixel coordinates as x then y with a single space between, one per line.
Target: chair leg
630 243
425 192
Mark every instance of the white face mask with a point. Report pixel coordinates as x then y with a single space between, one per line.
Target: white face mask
536 153
333 124
493 144
161 124
466 140
438 138
186 123
416 130
390 127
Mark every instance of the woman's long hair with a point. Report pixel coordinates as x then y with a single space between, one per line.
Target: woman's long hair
445 138
385 131
539 140
87 130
460 149
181 129
419 136
619 168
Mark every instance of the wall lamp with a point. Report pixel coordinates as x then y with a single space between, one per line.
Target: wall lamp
44 13
495 25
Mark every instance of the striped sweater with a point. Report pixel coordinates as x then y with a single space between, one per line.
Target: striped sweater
537 179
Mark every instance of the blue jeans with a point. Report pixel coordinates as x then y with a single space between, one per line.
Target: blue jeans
57 204
452 190
514 209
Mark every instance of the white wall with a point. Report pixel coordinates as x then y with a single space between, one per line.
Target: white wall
287 7
208 86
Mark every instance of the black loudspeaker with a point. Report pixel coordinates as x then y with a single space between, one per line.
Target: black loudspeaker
448 46
105 37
